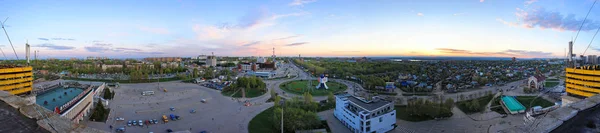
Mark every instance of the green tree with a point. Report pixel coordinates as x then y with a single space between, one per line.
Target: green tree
330 98
307 98
273 94
107 94
449 103
277 100
195 73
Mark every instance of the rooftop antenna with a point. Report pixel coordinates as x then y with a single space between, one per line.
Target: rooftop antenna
13 47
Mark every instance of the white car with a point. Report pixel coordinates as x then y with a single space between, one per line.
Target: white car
120 119
141 122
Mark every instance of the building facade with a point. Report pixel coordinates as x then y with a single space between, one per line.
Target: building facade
365 116
583 81
536 82
163 59
16 80
211 61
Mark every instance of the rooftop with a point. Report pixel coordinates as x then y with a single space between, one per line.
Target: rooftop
8 66
368 105
14 122
581 116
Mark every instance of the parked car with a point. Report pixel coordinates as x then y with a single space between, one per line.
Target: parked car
120 129
172 108
129 123
155 121
120 119
134 123
141 123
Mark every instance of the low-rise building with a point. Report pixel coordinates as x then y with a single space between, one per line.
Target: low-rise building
362 115
104 67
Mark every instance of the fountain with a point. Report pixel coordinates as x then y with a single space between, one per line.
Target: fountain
60 97
45 102
65 93
53 99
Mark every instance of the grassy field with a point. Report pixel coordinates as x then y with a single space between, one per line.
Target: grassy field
497 106
250 93
401 113
550 84
483 101
262 123
299 87
552 80
525 100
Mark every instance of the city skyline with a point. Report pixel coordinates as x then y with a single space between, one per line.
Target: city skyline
121 29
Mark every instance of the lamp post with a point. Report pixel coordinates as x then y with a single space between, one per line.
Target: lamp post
281 104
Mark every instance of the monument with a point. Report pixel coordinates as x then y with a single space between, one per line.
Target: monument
322 81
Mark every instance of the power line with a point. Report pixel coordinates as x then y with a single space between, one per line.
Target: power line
591 41
584 21
13 47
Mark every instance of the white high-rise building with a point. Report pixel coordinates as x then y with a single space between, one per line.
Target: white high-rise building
365 116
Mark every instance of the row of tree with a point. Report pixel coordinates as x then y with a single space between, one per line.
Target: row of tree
426 108
297 114
247 83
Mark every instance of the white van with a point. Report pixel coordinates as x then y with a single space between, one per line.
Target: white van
146 93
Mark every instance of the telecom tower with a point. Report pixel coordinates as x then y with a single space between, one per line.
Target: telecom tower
27 54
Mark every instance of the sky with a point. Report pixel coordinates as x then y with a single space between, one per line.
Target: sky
133 29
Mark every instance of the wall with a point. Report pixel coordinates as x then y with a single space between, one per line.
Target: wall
386 124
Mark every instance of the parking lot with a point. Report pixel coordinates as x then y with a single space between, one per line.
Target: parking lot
218 114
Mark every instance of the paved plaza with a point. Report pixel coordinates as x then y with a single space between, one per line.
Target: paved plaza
218 114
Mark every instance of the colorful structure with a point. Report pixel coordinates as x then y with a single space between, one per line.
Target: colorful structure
512 105
583 81
15 79
322 81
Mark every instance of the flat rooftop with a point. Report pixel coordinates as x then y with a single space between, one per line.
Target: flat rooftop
12 121
57 97
369 106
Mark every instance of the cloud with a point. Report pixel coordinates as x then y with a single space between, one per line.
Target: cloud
420 14
142 52
251 43
550 20
44 39
301 2
505 53
529 2
296 44
126 49
458 14
481 0
103 44
529 53
154 30
54 47
96 49
63 39
353 51
96 41
289 37
151 45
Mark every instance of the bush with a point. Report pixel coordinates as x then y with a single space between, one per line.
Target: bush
100 113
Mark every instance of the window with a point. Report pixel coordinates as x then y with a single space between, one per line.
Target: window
380 119
368 129
368 123
392 114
